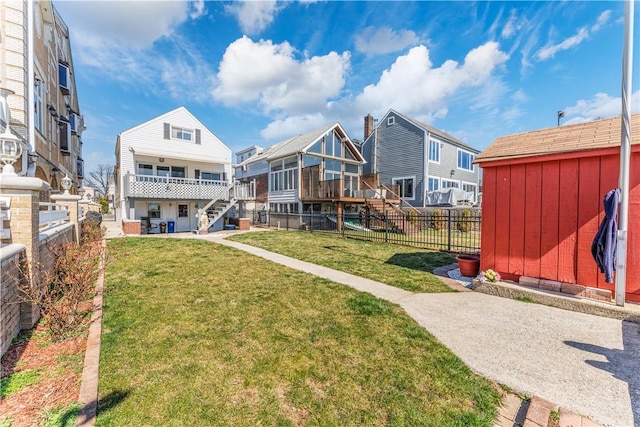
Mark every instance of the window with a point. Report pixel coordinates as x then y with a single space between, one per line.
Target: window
183 211
433 184
434 151
284 174
65 137
145 169
181 133
406 187
178 172
64 78
80 168
163 171
391 120
447 183
154 211
210 176
39 111
465 160
73 122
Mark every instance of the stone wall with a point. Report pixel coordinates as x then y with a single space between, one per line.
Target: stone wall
11 256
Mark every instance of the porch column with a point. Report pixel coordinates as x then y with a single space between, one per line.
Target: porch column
24 229
339 217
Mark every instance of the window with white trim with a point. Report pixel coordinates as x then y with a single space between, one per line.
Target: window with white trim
145 169
391 120
433 184
434 151
284 174
465 160
181 133
407 187
448 183
64 78
154 211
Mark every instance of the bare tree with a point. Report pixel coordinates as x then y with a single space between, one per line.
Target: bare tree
100 177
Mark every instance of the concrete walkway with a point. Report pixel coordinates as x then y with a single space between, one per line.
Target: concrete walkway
586 364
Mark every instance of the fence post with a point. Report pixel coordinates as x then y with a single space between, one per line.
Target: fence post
71 203
24 194
386 229
449 230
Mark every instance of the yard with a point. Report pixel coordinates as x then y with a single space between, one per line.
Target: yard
403 267
199 334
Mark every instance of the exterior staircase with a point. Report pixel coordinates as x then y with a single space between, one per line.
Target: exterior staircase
217 207
398 219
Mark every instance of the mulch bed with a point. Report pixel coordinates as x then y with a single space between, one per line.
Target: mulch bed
60 366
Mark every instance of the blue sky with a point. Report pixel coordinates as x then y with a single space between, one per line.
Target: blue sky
257 72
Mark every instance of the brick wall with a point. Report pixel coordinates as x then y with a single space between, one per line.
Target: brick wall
131 227
12 256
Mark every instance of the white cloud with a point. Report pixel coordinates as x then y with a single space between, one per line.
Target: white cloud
382 40
412 85
601 21
270 74
254 16
136 24
549 51
511 26
294 125
602 105
520 96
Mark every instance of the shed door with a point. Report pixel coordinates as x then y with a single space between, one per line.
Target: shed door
183 218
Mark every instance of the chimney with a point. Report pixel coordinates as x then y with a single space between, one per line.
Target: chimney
368 126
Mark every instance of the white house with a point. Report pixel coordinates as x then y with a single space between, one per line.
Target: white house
168 171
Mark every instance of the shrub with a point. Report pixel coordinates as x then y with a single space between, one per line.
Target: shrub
62 291
104 205
437 220
464 221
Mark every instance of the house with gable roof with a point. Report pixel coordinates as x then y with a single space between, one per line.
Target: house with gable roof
418 158
171 170
318 171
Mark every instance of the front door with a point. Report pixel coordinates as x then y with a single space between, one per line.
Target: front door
183 218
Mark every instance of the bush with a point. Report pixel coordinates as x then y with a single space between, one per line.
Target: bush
104 205
437 220
464 221
63 291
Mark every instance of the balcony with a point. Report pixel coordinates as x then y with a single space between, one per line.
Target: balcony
166 187
347 191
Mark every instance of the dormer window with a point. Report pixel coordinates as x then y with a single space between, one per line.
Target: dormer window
181 133
64 78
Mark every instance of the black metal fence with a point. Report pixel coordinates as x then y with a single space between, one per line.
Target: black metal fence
447 229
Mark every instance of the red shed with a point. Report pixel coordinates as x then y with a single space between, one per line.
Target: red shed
542 202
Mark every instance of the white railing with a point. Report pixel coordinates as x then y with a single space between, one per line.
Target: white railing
165 187
244 191
52 215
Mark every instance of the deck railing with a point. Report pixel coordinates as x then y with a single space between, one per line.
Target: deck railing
166 187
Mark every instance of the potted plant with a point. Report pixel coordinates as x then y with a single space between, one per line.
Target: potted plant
469 265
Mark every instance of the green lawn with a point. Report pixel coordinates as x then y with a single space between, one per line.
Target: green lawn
403 267
200 334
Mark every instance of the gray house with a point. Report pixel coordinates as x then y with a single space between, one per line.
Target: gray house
419 158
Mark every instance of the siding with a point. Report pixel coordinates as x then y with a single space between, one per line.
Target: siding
540 217
401 154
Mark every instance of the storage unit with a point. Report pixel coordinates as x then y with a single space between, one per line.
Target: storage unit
542 202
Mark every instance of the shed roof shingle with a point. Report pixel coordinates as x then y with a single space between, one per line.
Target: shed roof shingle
592 135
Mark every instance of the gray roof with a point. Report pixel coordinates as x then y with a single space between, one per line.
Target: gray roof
298 144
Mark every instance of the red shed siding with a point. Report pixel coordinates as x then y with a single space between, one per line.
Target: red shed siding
539 218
